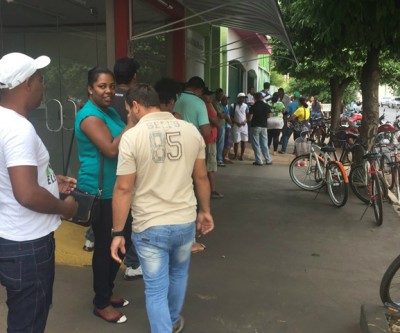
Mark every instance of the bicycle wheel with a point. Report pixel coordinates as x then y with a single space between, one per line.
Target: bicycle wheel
390 284
359 183
337 184
387 171
377 199
303 173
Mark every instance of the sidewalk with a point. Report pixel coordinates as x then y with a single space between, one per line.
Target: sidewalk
279 260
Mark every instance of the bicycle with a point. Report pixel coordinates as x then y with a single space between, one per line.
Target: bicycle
315 169
389 289
366 185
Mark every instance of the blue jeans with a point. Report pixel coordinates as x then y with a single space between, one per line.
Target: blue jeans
220 143
286 134
27 272
259 142
164 254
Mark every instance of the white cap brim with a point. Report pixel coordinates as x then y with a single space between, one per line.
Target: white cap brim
42 61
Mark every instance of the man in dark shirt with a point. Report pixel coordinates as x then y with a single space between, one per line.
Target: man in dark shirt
258 115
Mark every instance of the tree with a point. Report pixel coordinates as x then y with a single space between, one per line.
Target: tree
366 29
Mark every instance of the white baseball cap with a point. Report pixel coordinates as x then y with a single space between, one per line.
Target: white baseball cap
241 95
16 68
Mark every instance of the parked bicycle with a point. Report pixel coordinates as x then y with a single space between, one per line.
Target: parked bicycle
390 285
313 170
366 184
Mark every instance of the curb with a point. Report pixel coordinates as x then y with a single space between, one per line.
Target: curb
373 319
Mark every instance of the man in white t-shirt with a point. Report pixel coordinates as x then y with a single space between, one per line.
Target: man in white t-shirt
160 160
240 132
30 207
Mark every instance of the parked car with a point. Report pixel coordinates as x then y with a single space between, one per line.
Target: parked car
385 101
395 104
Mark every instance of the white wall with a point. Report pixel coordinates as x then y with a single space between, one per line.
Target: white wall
241 52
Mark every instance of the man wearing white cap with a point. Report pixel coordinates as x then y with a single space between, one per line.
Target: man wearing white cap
30 207
240 131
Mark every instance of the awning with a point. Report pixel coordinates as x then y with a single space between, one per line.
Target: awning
262 17
259 43
259 16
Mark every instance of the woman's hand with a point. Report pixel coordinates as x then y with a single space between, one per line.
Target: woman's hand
66 184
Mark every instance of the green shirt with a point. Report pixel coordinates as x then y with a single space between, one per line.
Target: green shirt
89 155
221 113
192 109
277 109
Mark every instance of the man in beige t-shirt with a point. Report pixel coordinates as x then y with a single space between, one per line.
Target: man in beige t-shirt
159 161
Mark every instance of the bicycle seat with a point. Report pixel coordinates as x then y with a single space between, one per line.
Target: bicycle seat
328 149
371 156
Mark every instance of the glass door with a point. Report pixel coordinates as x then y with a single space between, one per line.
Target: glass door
73 34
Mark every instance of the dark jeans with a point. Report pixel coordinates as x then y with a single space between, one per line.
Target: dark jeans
273 137
105 269
286 134
27 272
131 257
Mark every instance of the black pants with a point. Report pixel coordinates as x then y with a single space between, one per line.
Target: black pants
273 137
105 268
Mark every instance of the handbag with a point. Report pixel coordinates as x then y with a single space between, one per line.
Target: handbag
88 203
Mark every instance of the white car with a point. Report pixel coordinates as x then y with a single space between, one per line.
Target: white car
395 104
385 101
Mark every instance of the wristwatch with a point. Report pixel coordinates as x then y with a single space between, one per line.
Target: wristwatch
117 233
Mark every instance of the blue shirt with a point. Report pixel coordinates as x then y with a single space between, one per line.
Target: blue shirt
292 107
226 110
89 154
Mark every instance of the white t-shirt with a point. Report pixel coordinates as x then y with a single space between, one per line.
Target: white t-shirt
241 112
162 151
20 145
250 99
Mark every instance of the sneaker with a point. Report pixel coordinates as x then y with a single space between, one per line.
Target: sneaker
298 164
303 163
89 246
221 164
178 326
281 152
216 195
268 163
133 273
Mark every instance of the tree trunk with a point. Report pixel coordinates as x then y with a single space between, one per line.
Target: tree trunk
337 91
370 76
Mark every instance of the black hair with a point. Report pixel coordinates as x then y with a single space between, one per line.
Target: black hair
144 94
167 89
219 90
303 102
125 69
95 72
196 82
267 85
275 97
258 96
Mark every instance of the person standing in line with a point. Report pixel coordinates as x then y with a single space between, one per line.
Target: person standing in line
29 198
250 97
211 143
257 117
285 99
275 122
287 130
125 70
98 129
168 91
240 129
216 103
164 213
228 143
265 92
193 109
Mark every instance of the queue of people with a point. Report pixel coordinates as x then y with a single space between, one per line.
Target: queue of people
132 139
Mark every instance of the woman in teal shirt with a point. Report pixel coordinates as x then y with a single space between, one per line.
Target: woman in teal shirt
98 129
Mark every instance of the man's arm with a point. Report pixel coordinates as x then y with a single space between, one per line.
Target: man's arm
205 222
205 130
121 202
31 195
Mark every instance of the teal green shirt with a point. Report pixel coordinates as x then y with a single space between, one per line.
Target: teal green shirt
89 155
192 109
